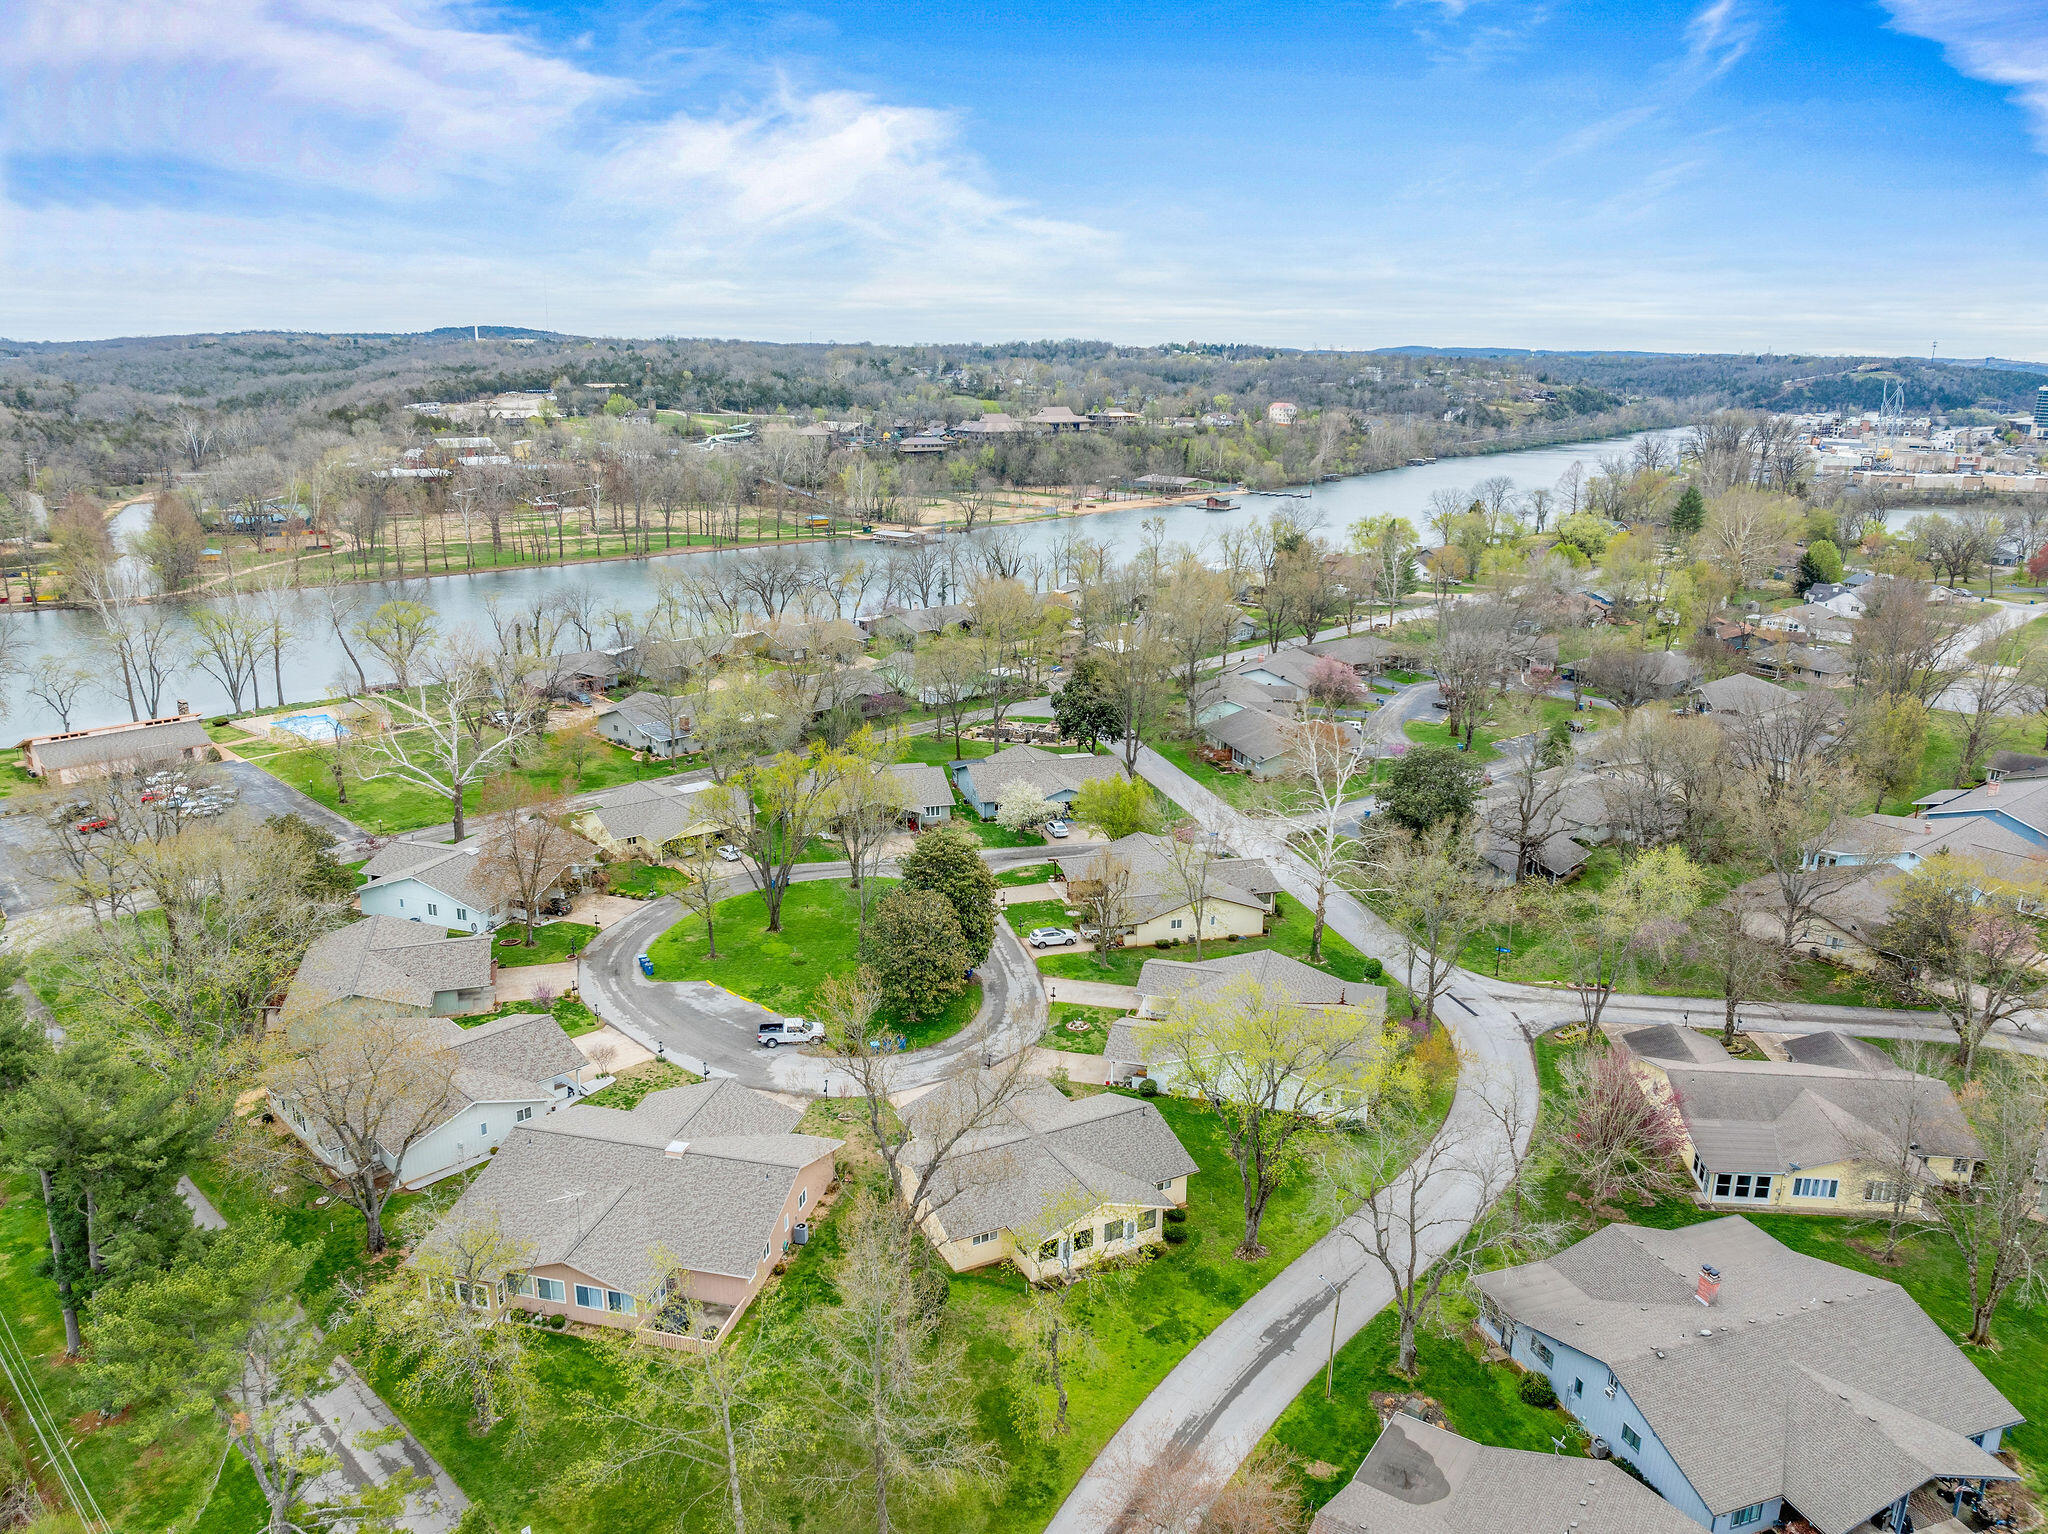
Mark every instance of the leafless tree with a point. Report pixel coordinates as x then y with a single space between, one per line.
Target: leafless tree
2004 677
1105 895
1528 808
528 851
434 740
1439 899
1905 645
1609 1134
57 682
1993 1220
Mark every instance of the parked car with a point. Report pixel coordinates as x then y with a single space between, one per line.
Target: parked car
85 826
790 1030
729 852
1057 829
1053 937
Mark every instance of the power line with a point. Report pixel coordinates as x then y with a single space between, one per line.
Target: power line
14 1363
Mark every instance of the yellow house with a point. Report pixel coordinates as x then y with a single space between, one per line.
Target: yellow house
1843 1130
1159 904
648 821
1044 1182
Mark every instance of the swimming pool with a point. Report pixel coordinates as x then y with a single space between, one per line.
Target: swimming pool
311 726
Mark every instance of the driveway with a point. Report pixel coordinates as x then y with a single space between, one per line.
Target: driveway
1221 1399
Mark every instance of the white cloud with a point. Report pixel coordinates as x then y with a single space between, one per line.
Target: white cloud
1717 37
2004 42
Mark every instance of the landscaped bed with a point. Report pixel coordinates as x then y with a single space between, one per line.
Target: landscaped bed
782 971
1094 1035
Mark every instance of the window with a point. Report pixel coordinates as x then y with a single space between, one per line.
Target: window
433 909
1542 1350
1084 1238
1743 1515
1722 1182
483 1129
1632 1438
1578 1387
1699 1171
520 1283
984 1238
1175 922
589 1298
1116 1230
1879 1192
1161 1187
803 1197
1047 1250
401 902
1816 1187
460 914
522 1115
620 1304
1742 1185
1149 1220
550 1289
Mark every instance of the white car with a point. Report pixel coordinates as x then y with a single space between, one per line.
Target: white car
1057 829
729 852
1053 937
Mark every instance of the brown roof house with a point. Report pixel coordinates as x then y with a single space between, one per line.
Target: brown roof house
504 1073
669 1216
1421 1479
1746 1383
1052 1184
72 756
383 966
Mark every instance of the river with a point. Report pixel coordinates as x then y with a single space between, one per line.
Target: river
314 665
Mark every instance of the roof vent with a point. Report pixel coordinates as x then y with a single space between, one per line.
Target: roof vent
678 1147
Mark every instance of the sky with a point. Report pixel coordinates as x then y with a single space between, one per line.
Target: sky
1707 175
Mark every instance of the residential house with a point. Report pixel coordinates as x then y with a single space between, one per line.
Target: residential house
1557 858
1839 598
579 673
1058 777
828 638
669 1216
1056 419
1746 1383
1283 668
436 884
913 625
2018 806
656 723
1807 664
1259 743
381 966
1050 1184
1421 1479
995 423
672 662
74 756
2000 856
927 793
504 1073
1237 900
654 821
1742 695
1845 926
1821 624
1217 697
1110 420
1670 672
868 691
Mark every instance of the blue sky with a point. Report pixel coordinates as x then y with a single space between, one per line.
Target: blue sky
1705 175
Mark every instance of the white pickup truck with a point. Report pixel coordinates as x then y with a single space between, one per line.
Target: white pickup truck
791 1030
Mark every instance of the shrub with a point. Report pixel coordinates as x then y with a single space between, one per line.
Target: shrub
1536 1390
1147 1087
1175 1235
1176 1217
1374 969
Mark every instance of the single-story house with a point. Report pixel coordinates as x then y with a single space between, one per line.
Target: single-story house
451 887
908 625
1059 777
1283 668
2018 806
504 1073
1365 654
1258 742
832 638
2000 855
674 661
1845 926
1809 664
72 756
872 693
1051 1184
1056 419
1747 1383
927 792
579 671
1238 893
1221 696
1557 858
383 965
1743 696
655 821
653 722
669 1216
1421 1479
1821 624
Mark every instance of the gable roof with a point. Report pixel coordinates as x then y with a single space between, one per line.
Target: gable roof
652 812
150 740
1840 1050
1795 1382
385 958
1744 694
1293 666
697 1173
923 784
1043 770
1045 1153
1156 888
1670 1043
656 715
1306 985
1252 733
2024 800
1421 1479
1356 649
1772 1116
455 871
923 620
512 1056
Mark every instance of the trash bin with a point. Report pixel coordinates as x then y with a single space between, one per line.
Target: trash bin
646 966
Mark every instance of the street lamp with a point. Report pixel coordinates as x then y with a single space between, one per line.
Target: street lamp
1337 1298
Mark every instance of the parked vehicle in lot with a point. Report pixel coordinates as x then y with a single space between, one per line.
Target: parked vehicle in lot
790 1030
729 852
1057 829
85 826
1053 937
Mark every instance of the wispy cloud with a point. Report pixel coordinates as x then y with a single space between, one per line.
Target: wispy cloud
2004 42
1717 37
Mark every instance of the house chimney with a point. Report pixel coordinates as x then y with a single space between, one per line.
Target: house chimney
677 1148
1991 789
1710 1283
184 707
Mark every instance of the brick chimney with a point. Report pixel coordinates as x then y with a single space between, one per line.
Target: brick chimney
1710 1283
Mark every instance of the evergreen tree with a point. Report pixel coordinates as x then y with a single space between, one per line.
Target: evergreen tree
1690 514
1822 561
947 861
1429 785
1087 708
920 958
22 1045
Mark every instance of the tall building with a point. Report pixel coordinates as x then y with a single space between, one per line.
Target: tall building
2041 409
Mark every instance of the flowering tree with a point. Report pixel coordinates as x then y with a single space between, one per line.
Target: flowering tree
1610 1134
1333 685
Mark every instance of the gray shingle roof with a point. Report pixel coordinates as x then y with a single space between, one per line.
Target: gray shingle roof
145 742
1767 1116
1839 1050
1043 770
598 1189
1670 1044
1253 734
1420 1479
655 715
529 1048
1294 667
1157 888
650 812
1356 650
1307 986
1773 1389
1048 1154
1745 694
924 785
455 871
383 958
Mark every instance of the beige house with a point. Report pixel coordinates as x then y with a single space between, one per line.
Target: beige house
647 820
669 1217
1054 1184
1845 926
1238 893
1827 1132
73 756
382 966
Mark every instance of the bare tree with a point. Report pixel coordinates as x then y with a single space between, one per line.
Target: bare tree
1195 619
1439 899
528 851
1528 810
2006 675
436 740
1609 1134
1104 893
1905 646
1328 763
56 682
224 641
1957 925
1993 1220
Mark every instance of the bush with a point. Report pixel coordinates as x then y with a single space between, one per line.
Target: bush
1175 1235
1374 969
1147 1087
1176 1217
1536 1390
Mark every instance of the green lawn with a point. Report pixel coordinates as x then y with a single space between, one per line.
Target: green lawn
637 1081
553 943
572 1014
782 971
1234 788
1943 754
1027 915
1485 742
937 750
1291 925
1029 874
1093 1038
645 880
13 775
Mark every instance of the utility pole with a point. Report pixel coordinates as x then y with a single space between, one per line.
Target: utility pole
1337 1304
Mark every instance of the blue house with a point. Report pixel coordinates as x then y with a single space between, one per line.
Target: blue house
1747 1383
1057 778
2017 805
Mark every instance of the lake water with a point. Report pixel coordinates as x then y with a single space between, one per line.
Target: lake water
314 665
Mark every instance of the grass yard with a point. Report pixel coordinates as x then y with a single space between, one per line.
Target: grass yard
1291 925
572 1014
782 971
552 943
1094 1035
637 1081
1233 788
646 881
1028 915
1943 754
1486 742
1029 874
937 750
13 776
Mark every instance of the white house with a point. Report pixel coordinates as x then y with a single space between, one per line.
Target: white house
448 886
